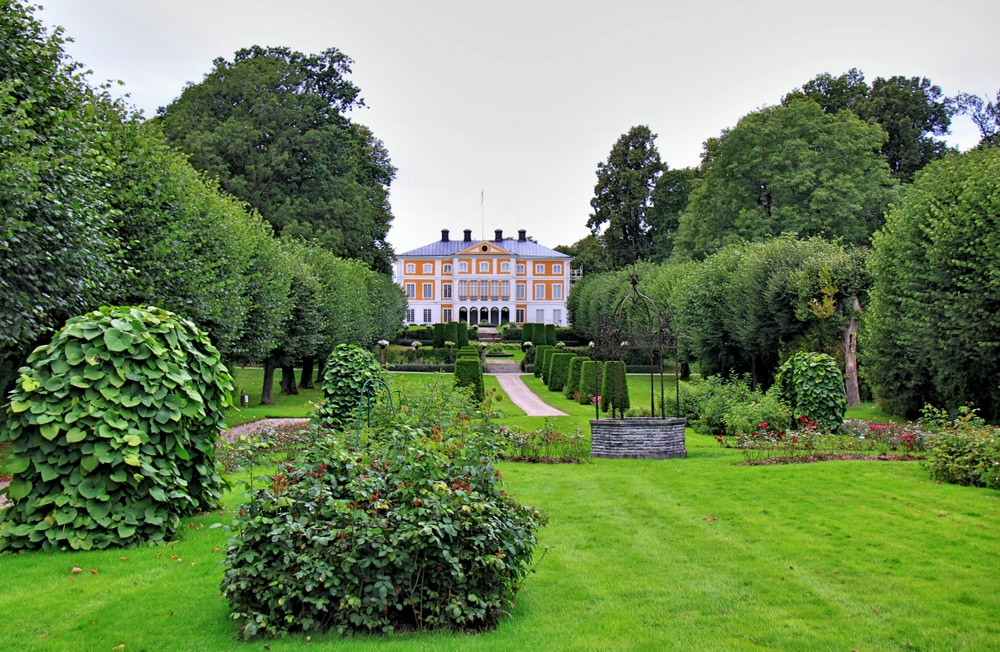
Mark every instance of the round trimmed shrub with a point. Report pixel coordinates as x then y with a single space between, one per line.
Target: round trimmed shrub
614 388
558 371
347 370
812 384
588 382
113 428
414 531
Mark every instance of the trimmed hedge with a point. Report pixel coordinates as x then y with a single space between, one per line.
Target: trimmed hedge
463 334
541 359
588 384
439 336
451 333
550 335
428 368
469 373
573 377
113 428
558 371
527 333
614 388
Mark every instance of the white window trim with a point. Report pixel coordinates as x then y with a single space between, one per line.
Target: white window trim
557 268
411 268
426 294
428 268
557 291
484 267
411 290
539 268
463 266
446 291
520 268
540 290
504 267
447 268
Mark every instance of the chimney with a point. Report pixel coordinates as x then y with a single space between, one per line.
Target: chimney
444 235
468 235
522 235
499 234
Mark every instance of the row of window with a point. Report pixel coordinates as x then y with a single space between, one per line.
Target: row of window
474 290
446 316
484 267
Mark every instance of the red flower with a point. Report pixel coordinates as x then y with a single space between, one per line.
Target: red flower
803 419
763 425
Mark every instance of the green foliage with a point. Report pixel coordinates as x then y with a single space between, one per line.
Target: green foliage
469 373
55 253
413 531
669 199
573 376
591 374
528 333
559 371
113 428
763 411
965 451
272 125
439 336
614 388
463 335
811 383
788 169
621 197
717 406
910 110
451 332
347 370
550 334
541 352
930 331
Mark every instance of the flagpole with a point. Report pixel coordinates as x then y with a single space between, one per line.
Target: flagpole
482 215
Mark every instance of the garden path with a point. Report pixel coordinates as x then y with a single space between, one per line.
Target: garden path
3 499
526 399
252 427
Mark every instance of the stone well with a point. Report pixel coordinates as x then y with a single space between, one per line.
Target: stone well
638 437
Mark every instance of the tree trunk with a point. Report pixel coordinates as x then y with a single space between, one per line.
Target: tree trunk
267 391
288 380
685 371
851 356
320 371
306 377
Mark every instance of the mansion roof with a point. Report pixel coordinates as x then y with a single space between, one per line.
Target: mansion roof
518 248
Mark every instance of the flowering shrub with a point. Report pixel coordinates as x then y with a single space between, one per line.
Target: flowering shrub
413 531
769 444
543 445
965 451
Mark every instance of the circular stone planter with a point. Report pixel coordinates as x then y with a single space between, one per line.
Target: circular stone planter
638 437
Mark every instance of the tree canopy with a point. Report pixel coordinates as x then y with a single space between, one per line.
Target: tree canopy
272 125
622 197
911 110
788 169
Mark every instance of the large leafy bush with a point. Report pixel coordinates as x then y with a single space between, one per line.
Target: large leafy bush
113 429
930 331
347 370
811 383
412 531
965 451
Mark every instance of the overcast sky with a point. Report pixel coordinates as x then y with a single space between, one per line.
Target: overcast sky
521 100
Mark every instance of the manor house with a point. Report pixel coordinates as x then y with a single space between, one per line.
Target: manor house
493 281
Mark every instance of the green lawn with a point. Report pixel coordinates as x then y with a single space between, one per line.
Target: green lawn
252 381
693 554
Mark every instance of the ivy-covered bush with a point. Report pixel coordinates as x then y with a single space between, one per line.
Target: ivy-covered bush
347 370
113 428
469 373
573 377
591 374
541 359
812 385
413 531
559 371
614 388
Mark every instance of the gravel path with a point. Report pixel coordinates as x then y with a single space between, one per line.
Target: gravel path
3 499
526 399
248 428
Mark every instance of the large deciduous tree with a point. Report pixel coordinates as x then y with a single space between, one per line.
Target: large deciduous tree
788 169
911 110
669 198
932 333
622 197
273 126
985 115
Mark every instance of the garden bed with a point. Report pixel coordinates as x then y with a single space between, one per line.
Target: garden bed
807 459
